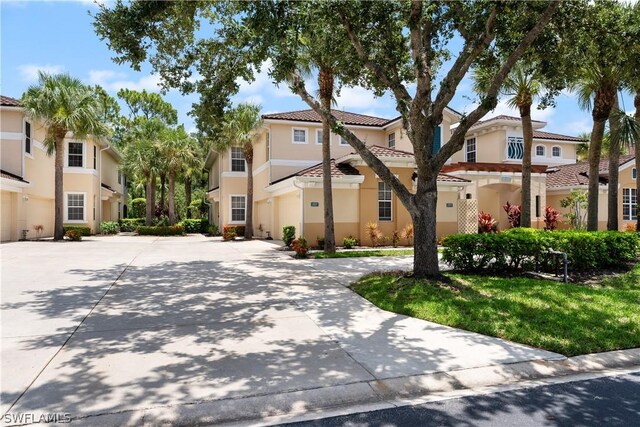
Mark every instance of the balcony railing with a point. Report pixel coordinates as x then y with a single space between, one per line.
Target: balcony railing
515 148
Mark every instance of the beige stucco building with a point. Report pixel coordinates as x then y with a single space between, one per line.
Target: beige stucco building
94 187
483 176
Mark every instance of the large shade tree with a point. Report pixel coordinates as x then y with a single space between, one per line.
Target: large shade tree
63 104
392 45
239 129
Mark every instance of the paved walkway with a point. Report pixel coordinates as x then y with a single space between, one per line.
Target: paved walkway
118 324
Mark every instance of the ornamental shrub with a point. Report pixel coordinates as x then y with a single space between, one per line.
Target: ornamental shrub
229 232
163 230
288 234
73 235
83 230
486 223
109 227
200 225
524 248
130 224
349 242
301 247
138 208
213 230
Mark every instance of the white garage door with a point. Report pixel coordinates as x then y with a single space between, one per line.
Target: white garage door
7 221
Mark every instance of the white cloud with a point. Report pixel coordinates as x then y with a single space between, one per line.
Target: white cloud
577 127
29 72
503 109
113 81
357 97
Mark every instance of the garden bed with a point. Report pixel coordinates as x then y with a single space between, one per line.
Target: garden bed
570 319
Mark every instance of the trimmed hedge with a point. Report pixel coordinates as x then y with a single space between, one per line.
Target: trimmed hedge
83 230
131 224
109 227
165 230
195 225
522 248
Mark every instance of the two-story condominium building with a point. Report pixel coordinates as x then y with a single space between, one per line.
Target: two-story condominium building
483 176
94 187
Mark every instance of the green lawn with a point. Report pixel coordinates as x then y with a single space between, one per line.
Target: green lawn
359 254
569 319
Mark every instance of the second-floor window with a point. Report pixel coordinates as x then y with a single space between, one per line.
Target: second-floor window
119 177
634 173
384 201
540 150
27 137
556 152
515 148
629 204
237 160
299 136
268 144
95 157
471 150
343 141
319 136
391 140
75 154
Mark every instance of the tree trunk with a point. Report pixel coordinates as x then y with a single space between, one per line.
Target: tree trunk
248 223
150 205
603 102
636 103
425 243
614 164
527 133
163 180
152 199
187 194
325 83
595 146
58 228
172 198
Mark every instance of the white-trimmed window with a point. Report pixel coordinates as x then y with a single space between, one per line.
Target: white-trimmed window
74 207
471 151
27 137
238 208
75 155
391 140
556 151
319 137
343 141
540 150
299 136
634 173
237 160
384 201
629 204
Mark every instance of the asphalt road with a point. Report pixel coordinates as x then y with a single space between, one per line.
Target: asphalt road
606 401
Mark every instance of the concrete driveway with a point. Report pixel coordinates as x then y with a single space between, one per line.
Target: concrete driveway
124 329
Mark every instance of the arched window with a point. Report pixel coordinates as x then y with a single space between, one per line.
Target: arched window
556 151
540 150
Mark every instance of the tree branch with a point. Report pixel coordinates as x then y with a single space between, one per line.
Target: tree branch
392 82
405 196
490 100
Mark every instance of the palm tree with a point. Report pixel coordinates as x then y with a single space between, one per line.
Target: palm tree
522 86
141 158
178 150
596 88
239 129
63 104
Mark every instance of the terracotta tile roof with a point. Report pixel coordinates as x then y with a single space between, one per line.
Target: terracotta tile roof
548 135
343 116
578 173
450 178
337 171
490 167
380 151
501 117
14 177
7 101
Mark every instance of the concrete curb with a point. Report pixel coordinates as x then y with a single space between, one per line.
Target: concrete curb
377 394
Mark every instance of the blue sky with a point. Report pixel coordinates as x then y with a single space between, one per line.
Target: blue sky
58 36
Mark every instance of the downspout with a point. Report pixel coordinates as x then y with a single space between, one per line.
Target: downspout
100 186
301 206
